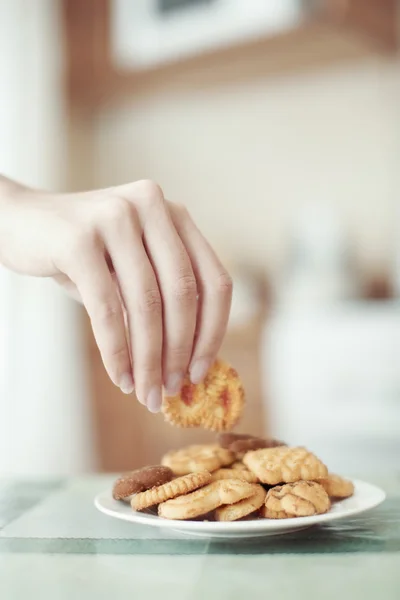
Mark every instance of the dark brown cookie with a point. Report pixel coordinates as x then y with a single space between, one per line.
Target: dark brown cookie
253 444
226 439
141 480
243 442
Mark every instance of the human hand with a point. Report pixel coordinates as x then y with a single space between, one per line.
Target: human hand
155 291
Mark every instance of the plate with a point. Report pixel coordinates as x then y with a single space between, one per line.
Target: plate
366 496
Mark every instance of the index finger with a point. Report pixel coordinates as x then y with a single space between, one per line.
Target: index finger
100 297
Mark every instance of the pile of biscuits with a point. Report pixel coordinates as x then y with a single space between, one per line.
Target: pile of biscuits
240 476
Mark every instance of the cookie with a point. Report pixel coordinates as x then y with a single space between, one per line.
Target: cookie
172 489
336 486
238 465
284 465
199 457
242 442
243 474
141 480
228 438
300 499
215 404
233 512
206 499
243 446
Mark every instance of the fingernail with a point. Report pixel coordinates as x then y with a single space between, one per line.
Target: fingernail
173 384
199 369
126 383
154 399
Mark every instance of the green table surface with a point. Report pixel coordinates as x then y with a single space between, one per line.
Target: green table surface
55 544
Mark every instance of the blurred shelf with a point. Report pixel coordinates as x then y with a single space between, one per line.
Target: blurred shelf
340 30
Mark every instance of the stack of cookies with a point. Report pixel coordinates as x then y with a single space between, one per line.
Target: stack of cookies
239 476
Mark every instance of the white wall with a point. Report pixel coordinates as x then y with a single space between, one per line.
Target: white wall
243 157
44 420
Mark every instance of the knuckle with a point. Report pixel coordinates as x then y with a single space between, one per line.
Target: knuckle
83 240
148 367
185 289
180 352
150 301
107 312
119 354
78 242
151 191
212 344
224 284
116 209
209 345
179 209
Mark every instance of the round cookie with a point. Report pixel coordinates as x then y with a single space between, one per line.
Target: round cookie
206 499
336 486
243 508
141 480
243 474
199 457
172 489
284 465
238 466
300 499
215 404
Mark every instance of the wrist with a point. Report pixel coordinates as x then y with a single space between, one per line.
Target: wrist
10 195
9 191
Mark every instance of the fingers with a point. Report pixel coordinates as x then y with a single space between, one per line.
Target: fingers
99 294
178 290
169 285
141 297
215 293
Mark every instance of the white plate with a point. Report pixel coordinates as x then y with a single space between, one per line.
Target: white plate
366 496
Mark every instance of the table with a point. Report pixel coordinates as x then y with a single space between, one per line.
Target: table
54 544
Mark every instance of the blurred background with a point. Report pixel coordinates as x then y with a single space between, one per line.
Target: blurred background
277 122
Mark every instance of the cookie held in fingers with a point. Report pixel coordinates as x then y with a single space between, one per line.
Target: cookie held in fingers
141 480
206 499
199 457
243 508
299 499
336 486
243 474
215 404
172 489
284 465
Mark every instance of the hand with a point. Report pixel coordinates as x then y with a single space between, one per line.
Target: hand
156 293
